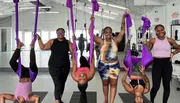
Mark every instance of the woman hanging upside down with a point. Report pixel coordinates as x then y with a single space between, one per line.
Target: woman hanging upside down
138 87
82 75
26 77
139 82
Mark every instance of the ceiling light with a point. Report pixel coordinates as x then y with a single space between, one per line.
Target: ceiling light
8 1
102 3
108 17
120 7
104 16
42 7
50 12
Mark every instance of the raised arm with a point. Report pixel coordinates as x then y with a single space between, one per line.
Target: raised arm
127 87
92 69
74 68
147 84
98 40
122 31
45 46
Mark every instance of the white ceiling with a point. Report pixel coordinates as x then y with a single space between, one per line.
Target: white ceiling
7 8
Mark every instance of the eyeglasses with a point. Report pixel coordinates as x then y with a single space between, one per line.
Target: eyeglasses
60 33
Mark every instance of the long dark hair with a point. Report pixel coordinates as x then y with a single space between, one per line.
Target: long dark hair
83 62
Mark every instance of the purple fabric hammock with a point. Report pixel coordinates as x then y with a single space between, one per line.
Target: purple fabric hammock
19 71
146 56
69 4
95 7
146 24
128 23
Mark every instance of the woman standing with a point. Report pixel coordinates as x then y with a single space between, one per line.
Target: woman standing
59 63
162 66
108 65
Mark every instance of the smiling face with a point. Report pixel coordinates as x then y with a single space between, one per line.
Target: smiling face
60 33
160 31
108 33
82 79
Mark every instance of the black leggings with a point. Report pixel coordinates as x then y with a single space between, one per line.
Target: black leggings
59 76
25 71
162 68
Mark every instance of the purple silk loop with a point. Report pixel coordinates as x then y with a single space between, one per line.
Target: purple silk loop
128 62
146 57
69 4
32 75
146 24
128 23
95 7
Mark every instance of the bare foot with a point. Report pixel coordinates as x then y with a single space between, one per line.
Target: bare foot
20 44
32 43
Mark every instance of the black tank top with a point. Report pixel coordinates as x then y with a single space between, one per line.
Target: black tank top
59 53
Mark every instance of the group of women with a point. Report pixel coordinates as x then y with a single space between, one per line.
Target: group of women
108 67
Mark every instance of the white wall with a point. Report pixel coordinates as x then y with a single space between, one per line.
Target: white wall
164 14
6 22
170 9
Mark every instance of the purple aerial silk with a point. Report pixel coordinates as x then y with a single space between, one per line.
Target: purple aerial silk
146 24
17 29
19 71
128 23
128 62
146 56
95 7
32 75
69 4
36 21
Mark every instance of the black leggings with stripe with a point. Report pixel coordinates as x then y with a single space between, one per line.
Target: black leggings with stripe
162 69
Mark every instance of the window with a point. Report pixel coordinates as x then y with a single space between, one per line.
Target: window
45 36
27 39
20 38
68 34
36 44
53 34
